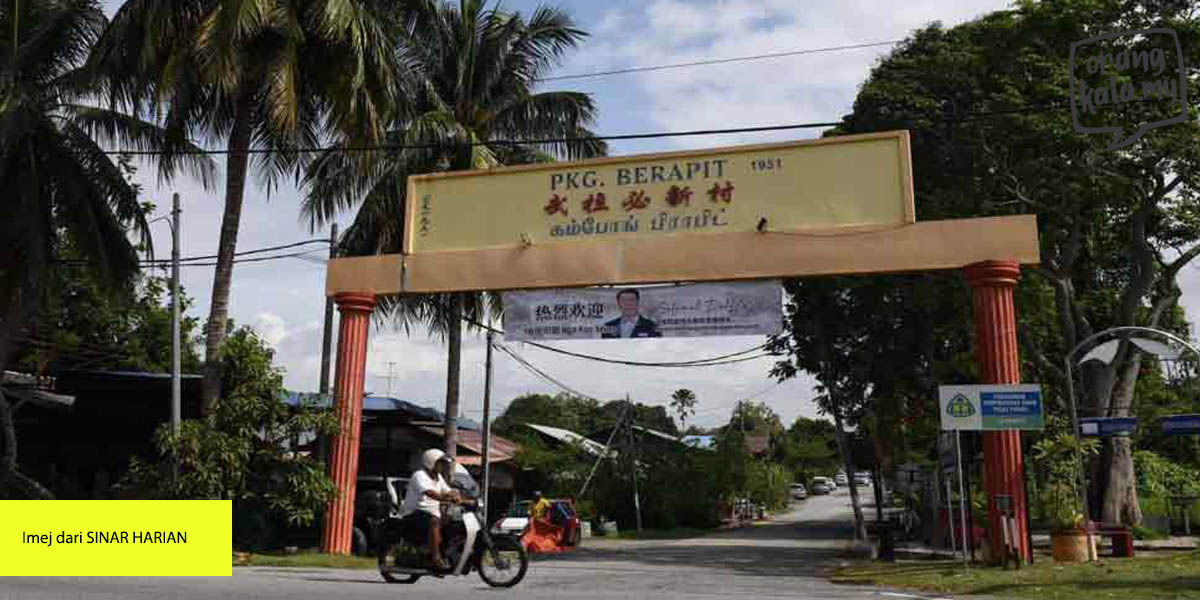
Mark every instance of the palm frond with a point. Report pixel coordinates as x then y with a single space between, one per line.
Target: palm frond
121 131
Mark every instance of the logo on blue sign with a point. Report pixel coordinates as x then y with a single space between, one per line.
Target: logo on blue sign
960 407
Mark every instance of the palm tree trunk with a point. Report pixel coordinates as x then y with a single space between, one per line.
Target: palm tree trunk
453 367
218 312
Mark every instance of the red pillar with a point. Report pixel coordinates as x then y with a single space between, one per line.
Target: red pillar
355 310
996 353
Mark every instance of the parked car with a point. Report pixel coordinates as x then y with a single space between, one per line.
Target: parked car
798 491
862 478
840 479
376 498
821 485
562 513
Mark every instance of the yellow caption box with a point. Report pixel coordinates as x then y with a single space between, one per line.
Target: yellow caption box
116 537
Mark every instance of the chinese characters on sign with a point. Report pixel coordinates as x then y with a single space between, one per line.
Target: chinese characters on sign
736 308
638 199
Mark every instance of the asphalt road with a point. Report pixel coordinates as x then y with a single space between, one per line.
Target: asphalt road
778 559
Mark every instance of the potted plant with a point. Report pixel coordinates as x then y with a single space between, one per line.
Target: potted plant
1058 456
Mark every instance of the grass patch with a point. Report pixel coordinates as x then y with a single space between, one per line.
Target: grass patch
311 560
1175 577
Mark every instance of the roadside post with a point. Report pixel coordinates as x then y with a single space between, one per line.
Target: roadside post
995 408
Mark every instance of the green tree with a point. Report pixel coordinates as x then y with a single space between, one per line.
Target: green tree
683 401
473 71
260 75
241 450
1109 222
80 325
755 418
564 411
60 188
808 448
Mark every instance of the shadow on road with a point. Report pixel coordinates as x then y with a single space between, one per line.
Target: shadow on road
787 549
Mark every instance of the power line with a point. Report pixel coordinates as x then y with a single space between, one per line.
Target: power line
455 145
236 261
717 61
966 116
248 252
540 373
191 260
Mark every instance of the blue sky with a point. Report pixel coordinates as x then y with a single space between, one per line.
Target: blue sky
283 299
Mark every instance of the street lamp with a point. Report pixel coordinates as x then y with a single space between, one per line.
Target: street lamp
173 222
1106 353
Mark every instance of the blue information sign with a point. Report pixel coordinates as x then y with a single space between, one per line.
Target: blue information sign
1181 425
1108 426
1011 409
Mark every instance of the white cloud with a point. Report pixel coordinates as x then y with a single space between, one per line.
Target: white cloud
271 327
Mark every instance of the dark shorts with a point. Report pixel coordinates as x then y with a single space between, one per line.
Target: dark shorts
421 522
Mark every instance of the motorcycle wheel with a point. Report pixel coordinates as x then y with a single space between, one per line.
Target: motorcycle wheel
504 564
395 555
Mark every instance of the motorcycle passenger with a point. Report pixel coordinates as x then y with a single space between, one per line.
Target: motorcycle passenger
427 489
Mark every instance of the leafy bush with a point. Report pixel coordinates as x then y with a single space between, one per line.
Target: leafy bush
240 451
1057 457
1157 476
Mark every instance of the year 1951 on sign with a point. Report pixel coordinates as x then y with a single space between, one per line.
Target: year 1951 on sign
766 164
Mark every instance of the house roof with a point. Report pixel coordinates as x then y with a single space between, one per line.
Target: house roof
383 404
758 444
501 449
569 437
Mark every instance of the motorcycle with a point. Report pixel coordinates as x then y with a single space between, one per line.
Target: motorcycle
501 560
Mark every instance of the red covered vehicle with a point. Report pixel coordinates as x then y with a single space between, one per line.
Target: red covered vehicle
560 532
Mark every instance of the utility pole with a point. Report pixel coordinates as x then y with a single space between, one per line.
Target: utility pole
327 338
175 346
326 349
637 501
391 368
486 445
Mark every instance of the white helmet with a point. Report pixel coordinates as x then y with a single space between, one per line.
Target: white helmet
431 457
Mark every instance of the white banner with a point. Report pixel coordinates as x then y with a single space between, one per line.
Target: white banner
703 309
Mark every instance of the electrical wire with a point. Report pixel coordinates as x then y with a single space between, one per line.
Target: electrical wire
248 252
966 116
717 61
236 261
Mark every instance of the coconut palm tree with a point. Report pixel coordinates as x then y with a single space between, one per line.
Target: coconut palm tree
62 193
263 78
470 76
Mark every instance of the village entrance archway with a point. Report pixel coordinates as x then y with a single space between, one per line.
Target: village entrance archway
841 205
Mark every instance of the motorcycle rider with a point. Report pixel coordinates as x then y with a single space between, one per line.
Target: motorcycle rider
427 489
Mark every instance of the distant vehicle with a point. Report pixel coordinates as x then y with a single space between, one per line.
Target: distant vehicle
840 479
562 513
798 491
862 478
821 485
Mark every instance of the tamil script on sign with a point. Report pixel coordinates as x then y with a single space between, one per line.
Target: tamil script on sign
740 308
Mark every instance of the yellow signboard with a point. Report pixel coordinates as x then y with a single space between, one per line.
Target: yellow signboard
825 184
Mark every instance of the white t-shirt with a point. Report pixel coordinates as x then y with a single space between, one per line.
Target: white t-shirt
415 498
